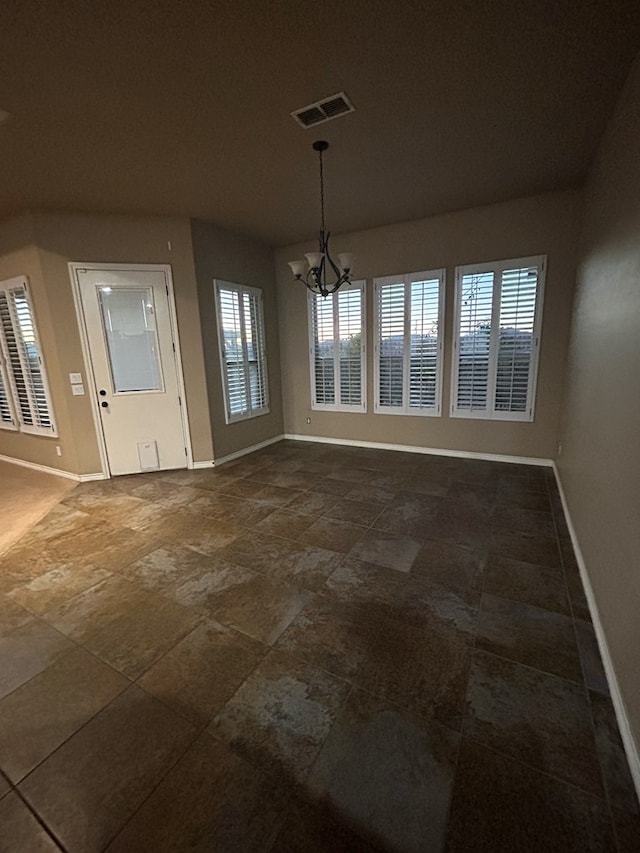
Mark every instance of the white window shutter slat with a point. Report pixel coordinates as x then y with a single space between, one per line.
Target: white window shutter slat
336 346
242 350
498 315
25 402
408 365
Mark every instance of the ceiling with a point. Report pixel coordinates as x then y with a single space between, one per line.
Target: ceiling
171 107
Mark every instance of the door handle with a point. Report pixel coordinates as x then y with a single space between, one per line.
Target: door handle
104 404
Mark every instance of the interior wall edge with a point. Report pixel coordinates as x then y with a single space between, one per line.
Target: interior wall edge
56 472
631 747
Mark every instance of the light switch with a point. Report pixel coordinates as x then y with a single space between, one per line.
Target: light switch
75 378
77 390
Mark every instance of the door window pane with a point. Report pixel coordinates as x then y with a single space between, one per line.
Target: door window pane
129 322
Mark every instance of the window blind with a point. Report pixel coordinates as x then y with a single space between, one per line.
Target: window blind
498 316
336 349
24 394
242 350
409 314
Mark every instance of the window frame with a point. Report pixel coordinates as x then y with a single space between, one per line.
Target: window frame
337 406
10 384
407 279
498 268
256 294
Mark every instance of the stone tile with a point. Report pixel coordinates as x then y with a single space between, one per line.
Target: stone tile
211 504
137 638
260 607
459 568
594 674
167 495
387 775
577 597
274 496
329 486
211 801
201 591
517 492
476 498
281 715
409 515
259 551
241 488
371 494
386 549
66 694
436 482
95 781
422 671
333 635
12 615
246 514
168 567
458 523
333 535
314 504
207 536
26 651
5 787
501 806
541 550
436 607
56 586
538 585
627 830
539 719
315 827
530 521
21 831
529 635
355 580
613 759
282 522
354 511
203 671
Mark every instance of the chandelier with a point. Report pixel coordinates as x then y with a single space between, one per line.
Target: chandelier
320 272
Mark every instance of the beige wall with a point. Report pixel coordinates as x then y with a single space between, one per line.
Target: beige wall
600 461
233 257
546 224
62 238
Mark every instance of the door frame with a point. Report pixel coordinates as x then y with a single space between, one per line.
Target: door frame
90 383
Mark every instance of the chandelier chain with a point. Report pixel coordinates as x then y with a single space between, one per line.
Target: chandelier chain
322 193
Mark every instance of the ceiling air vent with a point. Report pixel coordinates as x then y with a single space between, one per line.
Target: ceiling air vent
321 111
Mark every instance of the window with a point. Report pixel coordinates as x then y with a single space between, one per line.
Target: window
408 330
336 327
242 351
497 335
25 403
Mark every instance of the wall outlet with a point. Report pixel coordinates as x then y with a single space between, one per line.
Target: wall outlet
75 378
308 420
58 450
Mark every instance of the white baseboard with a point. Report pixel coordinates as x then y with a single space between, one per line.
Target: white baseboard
431 451
630 745
56 472
208 463
231 456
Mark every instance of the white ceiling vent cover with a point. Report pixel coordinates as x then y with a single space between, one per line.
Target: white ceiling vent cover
324 110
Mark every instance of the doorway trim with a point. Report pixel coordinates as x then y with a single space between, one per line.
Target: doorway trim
92 390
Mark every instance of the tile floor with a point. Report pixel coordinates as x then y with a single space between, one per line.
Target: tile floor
314 648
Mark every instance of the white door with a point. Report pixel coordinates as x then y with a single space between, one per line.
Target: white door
128 323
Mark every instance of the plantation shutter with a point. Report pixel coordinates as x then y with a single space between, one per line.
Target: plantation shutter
242 351
6 410
350 346
408 343
391 324
323 351
516 339
498 316
474 333
22 378
336 349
